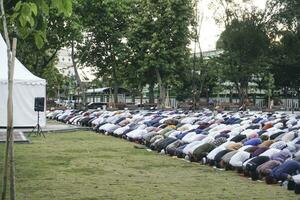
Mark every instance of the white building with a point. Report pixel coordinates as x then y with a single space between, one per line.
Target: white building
65 66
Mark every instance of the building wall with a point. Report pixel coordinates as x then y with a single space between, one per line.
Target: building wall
65 66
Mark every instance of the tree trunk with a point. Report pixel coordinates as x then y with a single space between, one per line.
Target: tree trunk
9 155
151 93
245 93
230 96
111 100
167 101
115 85
141 98
114 78
83 94
7 146
77 77
207 96
115 95
242 89
238 88
133 96
162 91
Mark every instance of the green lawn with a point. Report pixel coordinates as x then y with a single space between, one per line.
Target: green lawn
87 166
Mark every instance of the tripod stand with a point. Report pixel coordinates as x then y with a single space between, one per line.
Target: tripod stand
37 129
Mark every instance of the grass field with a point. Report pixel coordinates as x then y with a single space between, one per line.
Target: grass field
87 166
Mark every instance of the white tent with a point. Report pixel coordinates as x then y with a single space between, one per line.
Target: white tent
26 88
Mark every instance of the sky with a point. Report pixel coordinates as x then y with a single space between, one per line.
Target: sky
210 31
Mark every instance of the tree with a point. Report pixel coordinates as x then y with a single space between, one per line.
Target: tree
287 60
105 41
65 32
63 28
246 46
285 51
279 24
139 35
159 38
286 12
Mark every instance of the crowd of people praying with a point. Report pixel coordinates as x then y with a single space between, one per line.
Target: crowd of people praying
261 146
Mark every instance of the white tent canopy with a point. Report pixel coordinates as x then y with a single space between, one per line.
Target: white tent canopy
26 87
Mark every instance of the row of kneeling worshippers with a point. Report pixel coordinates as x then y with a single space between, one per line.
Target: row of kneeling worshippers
259 145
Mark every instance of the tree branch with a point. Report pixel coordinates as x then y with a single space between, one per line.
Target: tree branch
51 57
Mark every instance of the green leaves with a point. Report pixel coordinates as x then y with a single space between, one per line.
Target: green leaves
159 36
63 6
30 18
25 13
107 24
33 8
44 7
39 38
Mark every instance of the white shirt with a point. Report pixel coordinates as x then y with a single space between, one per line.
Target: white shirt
278 145
215 151
270 152
238 158
136 134
121 130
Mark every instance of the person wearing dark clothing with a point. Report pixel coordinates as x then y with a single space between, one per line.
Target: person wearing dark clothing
255 126
238 138
259 151
162 145
171 148
179 151
218 157
253 164
251 149
283 172
265 169
201 151
153 121
272 137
